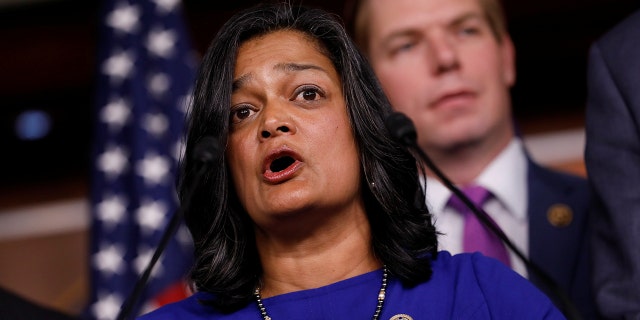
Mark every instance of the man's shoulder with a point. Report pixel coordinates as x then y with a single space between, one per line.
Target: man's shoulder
554 185
619 45
550 188
555 176
627 29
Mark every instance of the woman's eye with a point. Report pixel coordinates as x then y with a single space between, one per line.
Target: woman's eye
309 93
240 113
243 113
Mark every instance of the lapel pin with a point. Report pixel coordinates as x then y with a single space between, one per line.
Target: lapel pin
560 215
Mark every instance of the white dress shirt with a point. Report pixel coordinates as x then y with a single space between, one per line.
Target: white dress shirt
506 178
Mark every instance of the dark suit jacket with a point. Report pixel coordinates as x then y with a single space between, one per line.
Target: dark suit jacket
557 211
612 157
15 307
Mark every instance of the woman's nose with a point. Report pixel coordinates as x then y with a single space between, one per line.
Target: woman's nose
268 133
277 121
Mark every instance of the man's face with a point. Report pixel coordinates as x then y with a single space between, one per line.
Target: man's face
440 63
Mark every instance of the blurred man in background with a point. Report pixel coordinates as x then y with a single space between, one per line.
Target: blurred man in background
449 65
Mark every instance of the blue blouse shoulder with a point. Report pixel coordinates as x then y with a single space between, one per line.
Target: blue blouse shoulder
483 288
463 286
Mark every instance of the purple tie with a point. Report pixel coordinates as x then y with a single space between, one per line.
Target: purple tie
476 236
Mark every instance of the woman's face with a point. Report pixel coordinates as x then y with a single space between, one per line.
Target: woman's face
291 148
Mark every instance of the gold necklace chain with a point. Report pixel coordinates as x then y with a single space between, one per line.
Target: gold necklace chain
376 314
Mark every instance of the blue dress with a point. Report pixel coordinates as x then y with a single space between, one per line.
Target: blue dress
464 286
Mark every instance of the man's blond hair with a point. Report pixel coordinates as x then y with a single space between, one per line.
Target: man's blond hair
493 12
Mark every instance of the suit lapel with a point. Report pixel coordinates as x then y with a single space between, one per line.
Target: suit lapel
557 221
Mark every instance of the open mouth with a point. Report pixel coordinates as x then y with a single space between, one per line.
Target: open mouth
281 163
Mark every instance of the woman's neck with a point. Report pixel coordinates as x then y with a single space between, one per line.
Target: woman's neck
335 250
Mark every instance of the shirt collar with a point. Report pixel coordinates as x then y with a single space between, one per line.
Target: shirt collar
505 177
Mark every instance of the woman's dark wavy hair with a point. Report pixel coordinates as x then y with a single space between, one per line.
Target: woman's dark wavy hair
226 259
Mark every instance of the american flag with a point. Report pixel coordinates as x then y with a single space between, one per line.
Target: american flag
146 69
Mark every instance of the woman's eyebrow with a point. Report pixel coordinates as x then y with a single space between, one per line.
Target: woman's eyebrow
290 66
287 67
239 83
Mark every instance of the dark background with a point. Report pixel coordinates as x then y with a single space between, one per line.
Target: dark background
47 62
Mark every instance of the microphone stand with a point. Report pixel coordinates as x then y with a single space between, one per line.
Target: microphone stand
402 128
206 151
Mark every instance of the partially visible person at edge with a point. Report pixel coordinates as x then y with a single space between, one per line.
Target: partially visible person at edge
612 156
313 211
449 66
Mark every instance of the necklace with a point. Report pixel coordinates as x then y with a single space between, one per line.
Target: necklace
376 314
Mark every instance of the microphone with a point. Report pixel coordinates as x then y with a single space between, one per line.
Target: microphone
403 130
207 150
205 153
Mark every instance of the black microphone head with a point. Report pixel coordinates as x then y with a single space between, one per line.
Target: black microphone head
207 150
401 128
